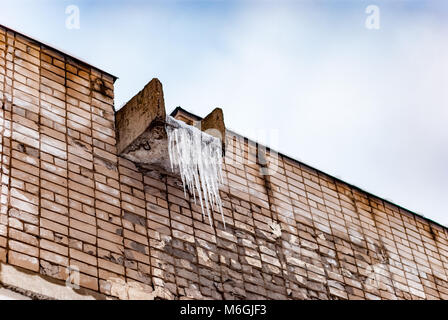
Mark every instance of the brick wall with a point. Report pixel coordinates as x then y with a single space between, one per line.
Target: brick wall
68 200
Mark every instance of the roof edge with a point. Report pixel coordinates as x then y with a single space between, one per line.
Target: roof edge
188 113
180 109
60 51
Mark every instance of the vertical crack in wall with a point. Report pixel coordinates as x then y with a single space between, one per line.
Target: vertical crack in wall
177 294
257 249
195 244
338 264
355 204
11 128
69 242
122 212
327 276
39 128
6 150
262 162
2 154
239 244
148 243
434 237
91 88
383 247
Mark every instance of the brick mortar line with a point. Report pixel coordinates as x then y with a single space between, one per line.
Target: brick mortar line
39 159
3 144
117 164
233 219
230 196
67 164
146 227
272 208
332 234
215 226
298 236
221 271
147 221
257 246
194 237
327 287
171 232
11 127
2 133
237 253
122 226
121 221
430 265
352 197
346 228
345 223
5 102
94 177
365 239
383 247
247 148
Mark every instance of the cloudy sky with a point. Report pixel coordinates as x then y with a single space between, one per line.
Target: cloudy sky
367 105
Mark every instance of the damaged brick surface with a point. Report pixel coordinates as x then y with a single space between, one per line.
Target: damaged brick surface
73 198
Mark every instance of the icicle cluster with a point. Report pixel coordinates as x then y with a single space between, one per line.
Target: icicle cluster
198 156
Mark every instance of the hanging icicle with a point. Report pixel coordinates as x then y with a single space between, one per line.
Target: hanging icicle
198 156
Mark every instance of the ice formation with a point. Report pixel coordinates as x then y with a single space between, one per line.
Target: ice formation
198 156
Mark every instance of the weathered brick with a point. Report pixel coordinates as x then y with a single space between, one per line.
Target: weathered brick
23 260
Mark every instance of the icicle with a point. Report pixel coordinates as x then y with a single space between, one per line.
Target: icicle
198 157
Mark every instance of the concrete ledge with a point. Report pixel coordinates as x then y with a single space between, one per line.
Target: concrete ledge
138 114
7 294
33 284
141 132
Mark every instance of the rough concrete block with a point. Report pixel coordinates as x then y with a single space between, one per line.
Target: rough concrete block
145 108
213 124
